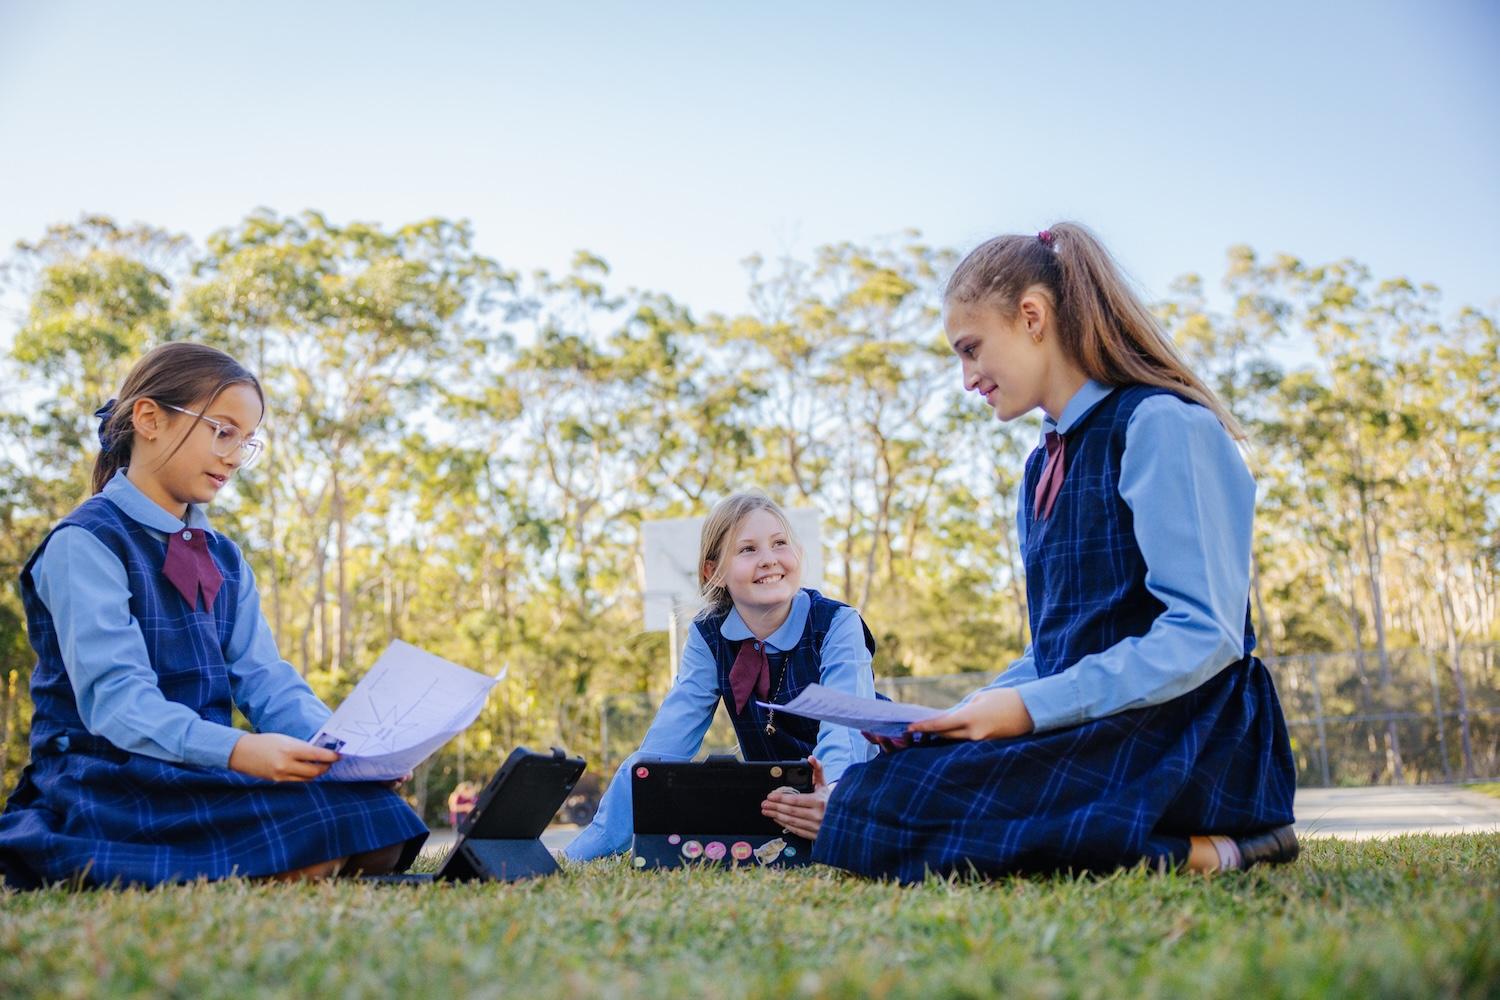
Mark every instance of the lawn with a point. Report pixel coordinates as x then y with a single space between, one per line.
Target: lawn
1415 916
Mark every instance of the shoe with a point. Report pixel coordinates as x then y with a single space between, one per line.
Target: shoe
1271 847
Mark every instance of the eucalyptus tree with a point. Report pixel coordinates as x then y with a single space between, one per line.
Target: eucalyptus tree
352 327
1454 521
97 295
846 351
1232 354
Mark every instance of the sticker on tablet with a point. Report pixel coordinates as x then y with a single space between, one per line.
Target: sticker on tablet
691 849
642 772
714 850
740 850
674 839
770 851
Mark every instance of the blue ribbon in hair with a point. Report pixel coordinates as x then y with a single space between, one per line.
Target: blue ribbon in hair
104 413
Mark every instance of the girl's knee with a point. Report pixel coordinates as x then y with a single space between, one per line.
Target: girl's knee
310 873
381 861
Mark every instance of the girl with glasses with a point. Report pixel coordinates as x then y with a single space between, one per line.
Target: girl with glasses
148 632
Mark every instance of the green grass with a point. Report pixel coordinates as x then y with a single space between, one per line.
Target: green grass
1414 916
1490 788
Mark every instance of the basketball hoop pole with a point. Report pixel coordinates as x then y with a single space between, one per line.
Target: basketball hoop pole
674 645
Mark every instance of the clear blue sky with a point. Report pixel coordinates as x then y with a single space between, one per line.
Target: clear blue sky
675 139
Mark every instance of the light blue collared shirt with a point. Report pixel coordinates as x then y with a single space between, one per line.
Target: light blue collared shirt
1194 503
688 710
85 587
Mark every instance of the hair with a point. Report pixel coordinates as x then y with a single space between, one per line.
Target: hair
175 374
1104 326
713 544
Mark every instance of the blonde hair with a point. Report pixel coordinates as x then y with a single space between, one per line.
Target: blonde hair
717 537
1104 326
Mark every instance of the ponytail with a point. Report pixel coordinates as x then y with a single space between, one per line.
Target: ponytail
1104 326
115 435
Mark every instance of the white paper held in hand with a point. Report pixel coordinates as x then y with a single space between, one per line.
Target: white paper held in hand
408 705
870 715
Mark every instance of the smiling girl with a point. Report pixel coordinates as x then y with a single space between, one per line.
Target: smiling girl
148 633
1138 726
760 637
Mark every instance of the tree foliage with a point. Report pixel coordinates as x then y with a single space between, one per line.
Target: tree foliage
462 454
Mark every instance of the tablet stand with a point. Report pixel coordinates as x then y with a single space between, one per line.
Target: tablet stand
497 861
501 839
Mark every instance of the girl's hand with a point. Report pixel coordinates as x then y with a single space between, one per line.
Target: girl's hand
799 812
989 715
276 757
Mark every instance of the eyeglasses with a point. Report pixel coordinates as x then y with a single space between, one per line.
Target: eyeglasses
228 438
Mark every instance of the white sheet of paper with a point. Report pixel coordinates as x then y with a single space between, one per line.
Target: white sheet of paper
407 706
871 715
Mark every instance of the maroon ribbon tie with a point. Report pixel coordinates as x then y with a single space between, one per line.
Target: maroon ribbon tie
190 567
751 671
1050 483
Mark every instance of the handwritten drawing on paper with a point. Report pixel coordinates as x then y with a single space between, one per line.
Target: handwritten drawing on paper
408 705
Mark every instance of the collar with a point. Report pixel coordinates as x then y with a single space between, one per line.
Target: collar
1088 396
138 507
784 638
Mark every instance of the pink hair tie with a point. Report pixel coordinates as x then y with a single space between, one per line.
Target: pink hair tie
1045 236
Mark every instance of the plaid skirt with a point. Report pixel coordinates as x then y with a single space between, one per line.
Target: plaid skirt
116 818
1108 793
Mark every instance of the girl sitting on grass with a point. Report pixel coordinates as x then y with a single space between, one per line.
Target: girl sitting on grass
760 637
1138 725
148 632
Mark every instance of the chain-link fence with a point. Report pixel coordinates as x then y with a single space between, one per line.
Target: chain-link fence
1422 716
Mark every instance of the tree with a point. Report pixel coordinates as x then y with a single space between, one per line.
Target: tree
351 328
98 296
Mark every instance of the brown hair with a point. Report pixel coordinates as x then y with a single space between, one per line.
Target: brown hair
713 544
1104 326
176 374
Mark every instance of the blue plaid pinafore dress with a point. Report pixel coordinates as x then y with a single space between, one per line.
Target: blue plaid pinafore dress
792 737
1101 794
86 810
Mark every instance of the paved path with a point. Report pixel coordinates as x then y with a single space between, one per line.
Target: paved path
555 837
1386 811
1347 813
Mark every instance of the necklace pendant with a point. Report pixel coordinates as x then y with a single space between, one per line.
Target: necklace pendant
770 729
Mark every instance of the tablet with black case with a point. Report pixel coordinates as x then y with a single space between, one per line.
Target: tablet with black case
501 836
500 839
709 812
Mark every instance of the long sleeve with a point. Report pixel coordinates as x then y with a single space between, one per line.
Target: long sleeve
86 589
267 688
1019 672
675 734
1193 501
845 667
